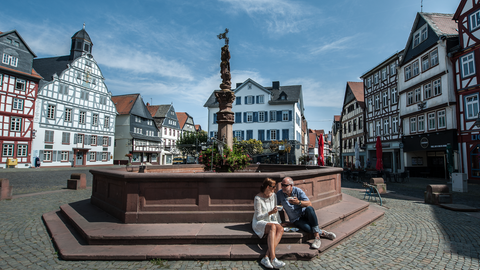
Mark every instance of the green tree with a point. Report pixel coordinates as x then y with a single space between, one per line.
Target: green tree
251 147
190 142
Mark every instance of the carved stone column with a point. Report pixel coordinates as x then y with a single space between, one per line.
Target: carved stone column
225 116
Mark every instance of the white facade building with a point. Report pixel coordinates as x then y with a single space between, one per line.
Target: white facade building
74 115
265 113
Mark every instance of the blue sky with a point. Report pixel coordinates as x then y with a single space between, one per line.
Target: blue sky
167 50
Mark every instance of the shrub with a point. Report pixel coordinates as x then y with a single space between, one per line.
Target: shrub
232 160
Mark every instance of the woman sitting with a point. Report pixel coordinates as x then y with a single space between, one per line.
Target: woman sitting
266 221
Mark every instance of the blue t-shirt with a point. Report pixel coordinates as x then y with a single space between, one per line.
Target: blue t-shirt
294 212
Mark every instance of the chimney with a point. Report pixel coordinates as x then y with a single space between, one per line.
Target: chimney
148 104
275 85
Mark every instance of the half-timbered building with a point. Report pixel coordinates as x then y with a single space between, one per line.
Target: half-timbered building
137 137
466 63
427 97
353 124
382 113
336 140
169 130
18 92
186 122
74 116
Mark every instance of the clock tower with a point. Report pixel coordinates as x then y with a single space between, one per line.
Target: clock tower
81 44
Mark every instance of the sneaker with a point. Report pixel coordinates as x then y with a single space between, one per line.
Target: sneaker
316 243
330 235
266 262
277 263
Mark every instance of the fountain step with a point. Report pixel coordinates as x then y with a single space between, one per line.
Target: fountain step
83 233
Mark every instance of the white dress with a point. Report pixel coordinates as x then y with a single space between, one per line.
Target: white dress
261 217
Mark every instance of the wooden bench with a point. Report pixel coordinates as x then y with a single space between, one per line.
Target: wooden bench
437 194
77 181
5 189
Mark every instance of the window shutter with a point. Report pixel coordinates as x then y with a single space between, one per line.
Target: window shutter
75 138
261 136
279 116
290 115
99 156
257 98
271 115
108 156
109 141
253 100
59 155
54 156
70 156
41 156
214 118
243 135
285 134
266 116
255 116
246 100
268 135
278 134
211 134
238 117
244 117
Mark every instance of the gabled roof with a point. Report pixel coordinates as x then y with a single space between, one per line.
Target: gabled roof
357 90
198 127
182 118
159 110
20 37
52 65
34 74
337 118
124 104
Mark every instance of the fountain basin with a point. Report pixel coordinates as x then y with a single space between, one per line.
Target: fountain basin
186 194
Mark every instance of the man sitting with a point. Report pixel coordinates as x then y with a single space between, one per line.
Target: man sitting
300 212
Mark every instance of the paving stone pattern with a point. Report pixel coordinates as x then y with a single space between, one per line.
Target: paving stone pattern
411 235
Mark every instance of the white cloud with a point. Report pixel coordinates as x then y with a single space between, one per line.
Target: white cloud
281 16
339 44
318 94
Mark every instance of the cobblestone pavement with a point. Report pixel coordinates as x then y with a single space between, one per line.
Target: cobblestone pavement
411 235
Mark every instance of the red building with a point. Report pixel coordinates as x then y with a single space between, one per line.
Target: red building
18 92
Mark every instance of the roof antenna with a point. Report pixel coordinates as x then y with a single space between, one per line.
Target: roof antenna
421 7
83 26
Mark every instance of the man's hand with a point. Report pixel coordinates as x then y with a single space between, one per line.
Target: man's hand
294 201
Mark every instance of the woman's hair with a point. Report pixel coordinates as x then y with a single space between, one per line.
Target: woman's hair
267 182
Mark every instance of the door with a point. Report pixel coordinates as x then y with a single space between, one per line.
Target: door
436 167
79 160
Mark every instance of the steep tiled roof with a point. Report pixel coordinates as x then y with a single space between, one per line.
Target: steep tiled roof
442 24
158 110
182 118
336 118
124 103
49 66
198 127
357 90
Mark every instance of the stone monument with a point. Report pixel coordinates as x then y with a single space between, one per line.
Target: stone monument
225 97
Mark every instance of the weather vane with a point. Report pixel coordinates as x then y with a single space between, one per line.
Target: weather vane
224 36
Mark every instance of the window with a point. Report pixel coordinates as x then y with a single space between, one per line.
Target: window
105 141
260 99
238 101
424 33
377 128
395 124
138 119
10 60
92 156
434 58
51 112
377 102
80 138
106 123
249 117
16 124
360 121
384 74
249 100
410 98
471 103
474 20
64 156
415 68
350 126
95 119
47 156
431 121
428 90
408 73
425 63
20 84
468 65
63 89
81 117
273 134
369 81
68 115
386 127
17 104
416 39
393 69
385 99
375 80
370 104
84 95
261 116
285 116
22 150
394 95
420 36
421 123
65 137
437 87
149 121
441 119
418 95
104 156
413 124
93 140
7 150
238 134
49 136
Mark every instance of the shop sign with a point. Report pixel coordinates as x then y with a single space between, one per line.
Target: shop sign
476 137
424 142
